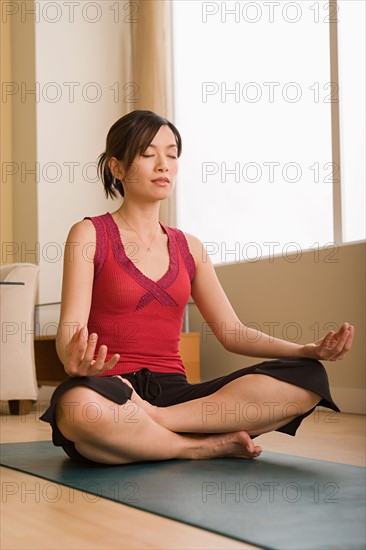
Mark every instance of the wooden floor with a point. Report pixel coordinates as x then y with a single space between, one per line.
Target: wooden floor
31 521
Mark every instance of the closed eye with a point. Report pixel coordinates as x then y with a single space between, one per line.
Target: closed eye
149 156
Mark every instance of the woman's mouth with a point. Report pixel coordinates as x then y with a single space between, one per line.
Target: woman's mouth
162 182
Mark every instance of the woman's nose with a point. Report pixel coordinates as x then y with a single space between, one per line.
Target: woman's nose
162 163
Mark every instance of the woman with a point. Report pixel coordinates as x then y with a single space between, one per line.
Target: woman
127 279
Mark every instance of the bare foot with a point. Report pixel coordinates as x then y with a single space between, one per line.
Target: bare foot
234 445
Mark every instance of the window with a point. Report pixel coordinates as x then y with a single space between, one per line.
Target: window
253 103
351 62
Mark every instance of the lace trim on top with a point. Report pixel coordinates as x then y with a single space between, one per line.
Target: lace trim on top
186 253
155 288
101 244
105 225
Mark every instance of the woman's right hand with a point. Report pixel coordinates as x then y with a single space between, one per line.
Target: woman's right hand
79 355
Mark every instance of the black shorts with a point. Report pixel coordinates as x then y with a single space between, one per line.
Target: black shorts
163 390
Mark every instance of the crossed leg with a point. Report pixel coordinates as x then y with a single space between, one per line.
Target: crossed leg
138 431
106 432
256 403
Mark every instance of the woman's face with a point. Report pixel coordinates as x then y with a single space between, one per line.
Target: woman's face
153 173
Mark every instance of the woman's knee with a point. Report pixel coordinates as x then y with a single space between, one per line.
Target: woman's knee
81 412
293 398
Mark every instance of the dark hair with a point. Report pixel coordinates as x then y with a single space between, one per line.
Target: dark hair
129 136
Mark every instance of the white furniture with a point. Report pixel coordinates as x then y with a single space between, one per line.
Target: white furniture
18 287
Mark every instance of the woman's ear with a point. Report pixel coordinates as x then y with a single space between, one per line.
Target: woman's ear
116 168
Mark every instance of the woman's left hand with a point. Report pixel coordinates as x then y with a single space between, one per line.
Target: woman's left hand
333 346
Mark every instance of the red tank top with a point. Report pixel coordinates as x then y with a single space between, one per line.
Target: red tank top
134 316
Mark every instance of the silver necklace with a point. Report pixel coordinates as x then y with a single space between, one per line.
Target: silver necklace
148 249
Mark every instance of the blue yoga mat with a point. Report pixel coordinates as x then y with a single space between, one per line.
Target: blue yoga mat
276 501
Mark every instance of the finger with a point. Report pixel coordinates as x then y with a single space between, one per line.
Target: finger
342 341
351 336
348 345
89 345
81 338
90 348
345 327
75 351
327 345
112 362
100 358
99 365
81 334
97 368
338 348
327 340
90 365
76 339
76 334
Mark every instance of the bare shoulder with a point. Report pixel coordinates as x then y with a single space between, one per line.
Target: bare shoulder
196 247
81 241
82 231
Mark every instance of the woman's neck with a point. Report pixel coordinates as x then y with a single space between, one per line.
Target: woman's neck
142 219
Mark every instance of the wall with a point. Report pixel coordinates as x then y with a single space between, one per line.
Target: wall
307 298
81 96
6 199
24 151
69 69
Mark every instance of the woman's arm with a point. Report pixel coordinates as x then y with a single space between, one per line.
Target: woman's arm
222 320
74 346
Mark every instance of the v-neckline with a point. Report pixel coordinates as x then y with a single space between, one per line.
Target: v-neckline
131 265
